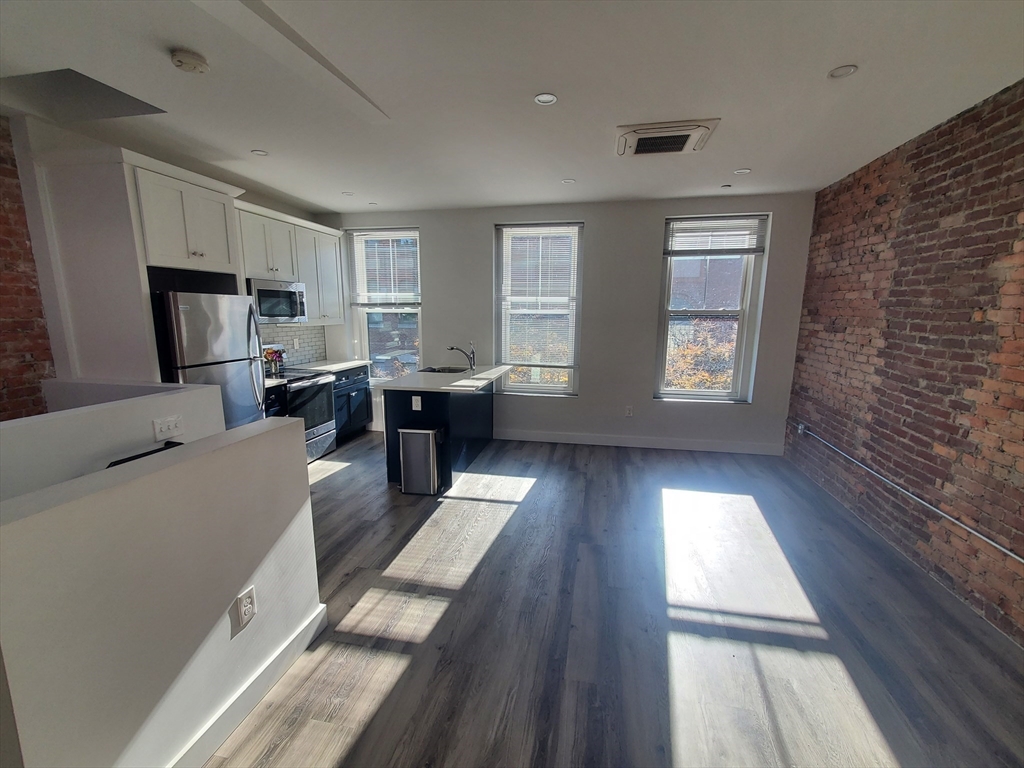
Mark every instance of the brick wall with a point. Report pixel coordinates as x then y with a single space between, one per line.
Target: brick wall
910 349
25 356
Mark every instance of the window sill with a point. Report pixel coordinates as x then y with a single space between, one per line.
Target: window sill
537 394
702 400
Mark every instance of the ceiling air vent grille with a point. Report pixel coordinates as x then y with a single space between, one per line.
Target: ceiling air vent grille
649 145
680 137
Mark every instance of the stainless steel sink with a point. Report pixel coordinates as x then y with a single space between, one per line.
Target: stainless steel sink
445 369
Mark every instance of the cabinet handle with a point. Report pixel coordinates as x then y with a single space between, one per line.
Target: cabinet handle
352 394
202 255
192 253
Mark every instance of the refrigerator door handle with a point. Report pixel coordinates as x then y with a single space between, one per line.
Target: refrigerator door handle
256 373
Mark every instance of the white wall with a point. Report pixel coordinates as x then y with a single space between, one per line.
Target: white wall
80 205
64 394
621 284
39 451
117 593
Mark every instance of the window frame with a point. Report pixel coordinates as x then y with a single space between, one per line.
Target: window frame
504 386
748 317
361 310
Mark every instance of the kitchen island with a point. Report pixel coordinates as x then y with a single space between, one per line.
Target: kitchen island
459 405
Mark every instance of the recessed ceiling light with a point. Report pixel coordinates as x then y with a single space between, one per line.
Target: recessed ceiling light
742 171
371 203
189 61
844 71
545 99
348 194
726 186
568 181
259 152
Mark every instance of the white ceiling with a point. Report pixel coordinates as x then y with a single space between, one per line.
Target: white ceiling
457 80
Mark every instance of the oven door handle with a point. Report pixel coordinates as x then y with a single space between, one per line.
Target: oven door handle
303 383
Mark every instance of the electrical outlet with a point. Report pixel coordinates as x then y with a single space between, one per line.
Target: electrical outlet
629 410
295 343
417 403
245 603
165 429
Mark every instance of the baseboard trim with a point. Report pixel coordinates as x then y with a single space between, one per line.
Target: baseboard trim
631 441
212 735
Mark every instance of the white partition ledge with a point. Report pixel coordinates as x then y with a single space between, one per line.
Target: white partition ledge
117 590
93 423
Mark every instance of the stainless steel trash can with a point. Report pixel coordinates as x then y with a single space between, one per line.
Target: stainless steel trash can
417 450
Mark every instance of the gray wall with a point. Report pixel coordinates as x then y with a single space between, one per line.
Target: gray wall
621 267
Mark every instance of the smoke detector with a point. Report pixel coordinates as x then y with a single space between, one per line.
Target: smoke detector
189 61
681 137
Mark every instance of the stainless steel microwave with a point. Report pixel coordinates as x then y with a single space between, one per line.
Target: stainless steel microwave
278 302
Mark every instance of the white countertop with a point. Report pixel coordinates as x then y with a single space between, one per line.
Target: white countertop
327 366
445 382
330 366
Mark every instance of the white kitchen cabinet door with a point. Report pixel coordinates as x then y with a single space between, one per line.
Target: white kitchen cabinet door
184 225
305 249
281 238
207 217
332 294
256 246
162 205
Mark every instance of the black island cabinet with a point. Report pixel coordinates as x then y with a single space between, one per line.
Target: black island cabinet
464 420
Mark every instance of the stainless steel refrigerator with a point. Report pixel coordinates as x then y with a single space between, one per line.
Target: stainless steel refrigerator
215 339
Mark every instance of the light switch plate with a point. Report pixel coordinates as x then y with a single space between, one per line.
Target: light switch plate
165 429
417 403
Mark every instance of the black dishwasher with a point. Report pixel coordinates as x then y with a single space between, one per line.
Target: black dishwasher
353 405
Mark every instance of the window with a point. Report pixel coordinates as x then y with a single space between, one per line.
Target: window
714 269
386 295
537 303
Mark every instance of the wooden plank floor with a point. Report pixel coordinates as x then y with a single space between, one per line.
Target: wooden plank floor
576 605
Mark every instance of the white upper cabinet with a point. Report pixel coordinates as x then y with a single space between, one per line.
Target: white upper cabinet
282 250
184 225
320 269
332 299
305 246
268 248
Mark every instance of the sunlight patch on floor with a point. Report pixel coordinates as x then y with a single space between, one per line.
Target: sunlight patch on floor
341 714
752 678
476 485
702 617
394 615
748 704
332 718
721 554
450 545
318 470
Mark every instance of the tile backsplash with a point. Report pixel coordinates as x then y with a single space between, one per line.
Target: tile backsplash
312 345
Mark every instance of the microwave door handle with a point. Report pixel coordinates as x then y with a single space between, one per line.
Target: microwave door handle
256 373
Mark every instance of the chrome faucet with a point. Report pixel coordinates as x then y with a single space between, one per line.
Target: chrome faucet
471 355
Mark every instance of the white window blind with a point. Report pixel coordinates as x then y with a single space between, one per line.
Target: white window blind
719 236
537 303
385 267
